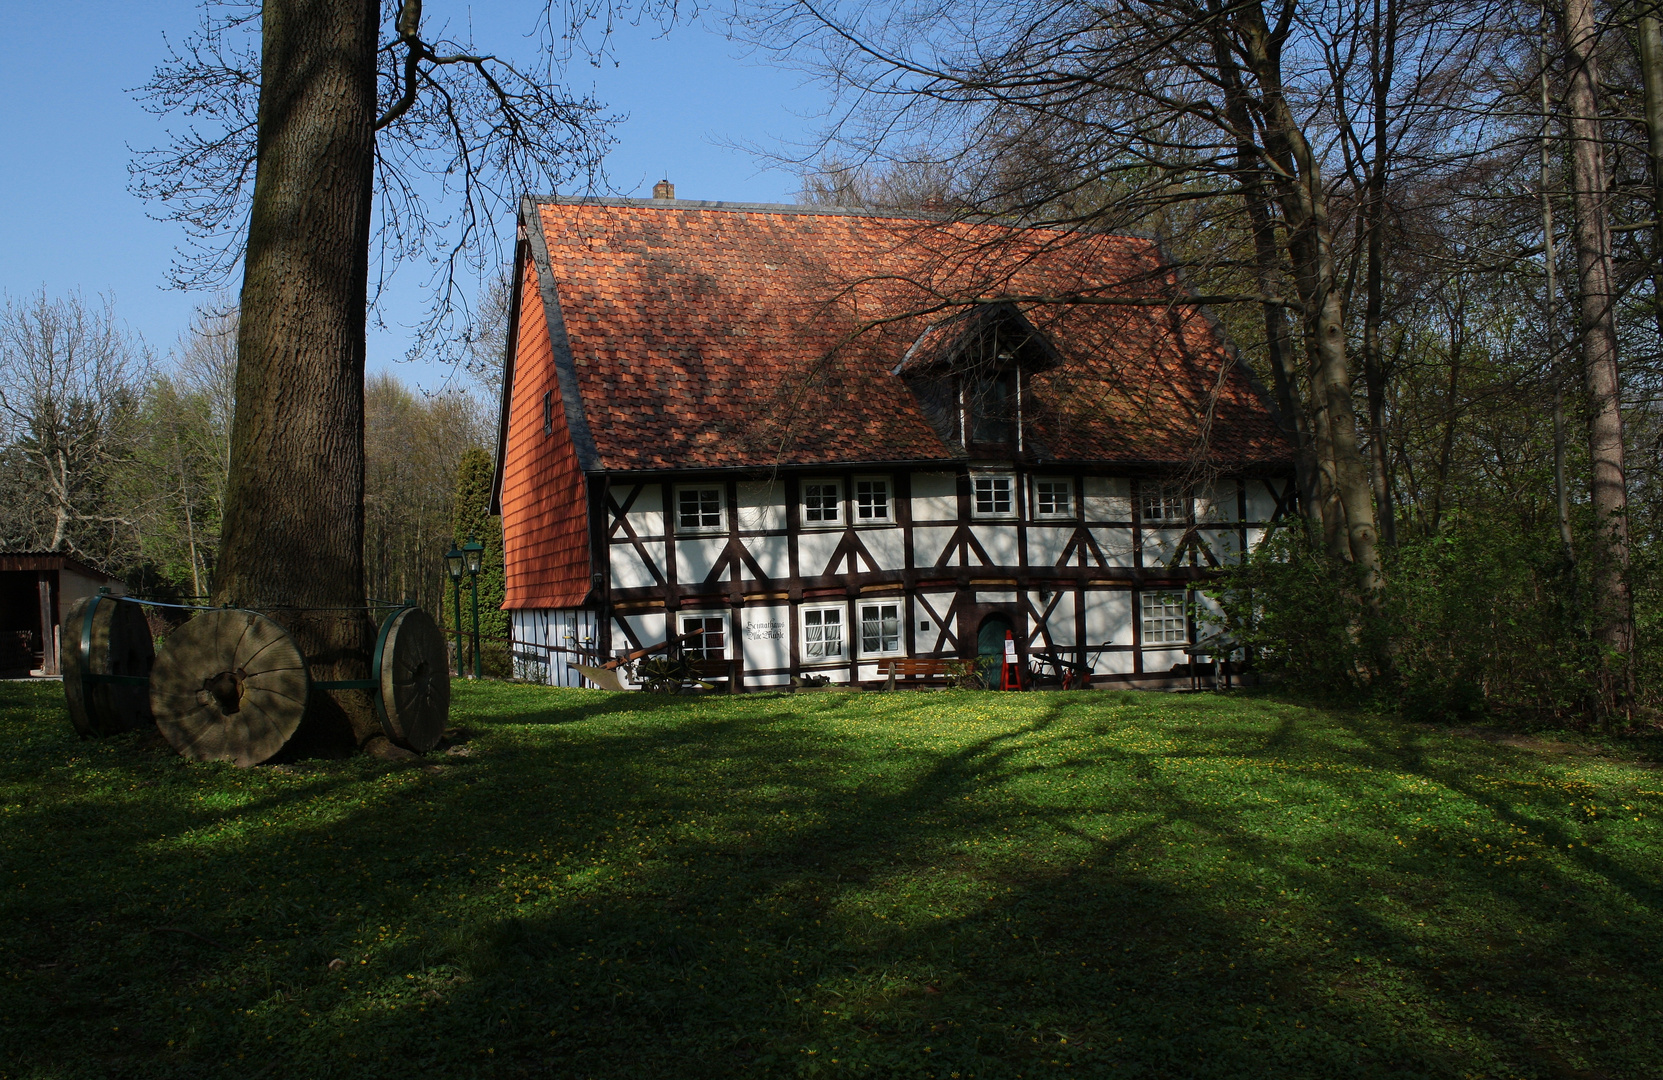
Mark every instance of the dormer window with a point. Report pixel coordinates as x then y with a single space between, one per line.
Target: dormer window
968 374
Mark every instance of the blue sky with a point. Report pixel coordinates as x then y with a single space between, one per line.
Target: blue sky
67 120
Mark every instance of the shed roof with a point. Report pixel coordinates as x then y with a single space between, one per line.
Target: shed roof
714 335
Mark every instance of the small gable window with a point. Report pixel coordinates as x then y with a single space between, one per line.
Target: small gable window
1053 499
822 502
698 509
994 495
871 501
1163 503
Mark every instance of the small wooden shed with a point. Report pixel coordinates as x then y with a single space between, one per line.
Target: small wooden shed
36 587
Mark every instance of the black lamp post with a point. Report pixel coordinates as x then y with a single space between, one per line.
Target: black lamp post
454 563
475 552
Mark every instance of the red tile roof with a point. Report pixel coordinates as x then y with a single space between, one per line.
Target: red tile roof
717 335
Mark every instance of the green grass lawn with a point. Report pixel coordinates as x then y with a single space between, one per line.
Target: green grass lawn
910 885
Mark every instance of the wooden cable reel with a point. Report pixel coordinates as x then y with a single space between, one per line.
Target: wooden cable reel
412 680
230 685
106 655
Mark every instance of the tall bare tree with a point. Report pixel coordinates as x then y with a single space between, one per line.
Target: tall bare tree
1597 301
307 116
71 377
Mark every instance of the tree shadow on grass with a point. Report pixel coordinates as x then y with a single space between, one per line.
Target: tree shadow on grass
773 888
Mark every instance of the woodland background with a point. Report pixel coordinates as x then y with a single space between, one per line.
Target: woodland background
1429 225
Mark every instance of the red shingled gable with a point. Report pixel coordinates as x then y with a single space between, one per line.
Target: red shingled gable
704 336
545 536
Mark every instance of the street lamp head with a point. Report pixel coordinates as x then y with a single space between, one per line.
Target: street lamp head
453 562
475 552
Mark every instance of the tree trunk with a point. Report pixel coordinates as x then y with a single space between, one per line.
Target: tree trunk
1284 374
1550 323
1311 250
1612 604
292 543
1651 72
1375 374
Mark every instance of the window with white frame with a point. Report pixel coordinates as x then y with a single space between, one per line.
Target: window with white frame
1162 502
1053 498
880 629
698 509
711 644
994 495
871 501
1165 620
822 634
822 502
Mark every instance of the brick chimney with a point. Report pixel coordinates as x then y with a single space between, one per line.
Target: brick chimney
664 190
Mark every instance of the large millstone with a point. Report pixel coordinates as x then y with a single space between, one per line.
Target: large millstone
229 685
117 643
415 681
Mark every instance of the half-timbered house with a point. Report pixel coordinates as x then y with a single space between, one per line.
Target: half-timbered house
826 437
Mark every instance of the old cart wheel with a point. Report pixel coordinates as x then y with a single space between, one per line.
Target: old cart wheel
229 685
415 680
116 644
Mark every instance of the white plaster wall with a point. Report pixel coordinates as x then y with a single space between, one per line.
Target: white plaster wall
999 541
935 497
1224 543
1162 661
934 639
1116 545
1159 545
814 552
1217 502
1107 498
1046 544
628 571
772 554
1261 501
761 505
695 557
888 547
929 542
1060 622
764 632
1108 617
646 517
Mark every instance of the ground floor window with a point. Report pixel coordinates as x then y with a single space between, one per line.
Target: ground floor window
710 645
880 628
822 633
1165 620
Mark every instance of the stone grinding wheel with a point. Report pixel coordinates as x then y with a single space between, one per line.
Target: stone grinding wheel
119 645
415 681
229 685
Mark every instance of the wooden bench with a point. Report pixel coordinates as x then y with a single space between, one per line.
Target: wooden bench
920 672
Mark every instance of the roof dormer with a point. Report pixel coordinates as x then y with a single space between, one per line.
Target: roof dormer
969 372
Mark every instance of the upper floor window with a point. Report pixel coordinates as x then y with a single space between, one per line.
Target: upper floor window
993 495
871 501
822 633
822 502
1165 619
1163 503
1053 498
698 509
712 640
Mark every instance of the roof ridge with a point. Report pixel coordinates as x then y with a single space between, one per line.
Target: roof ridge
738 207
